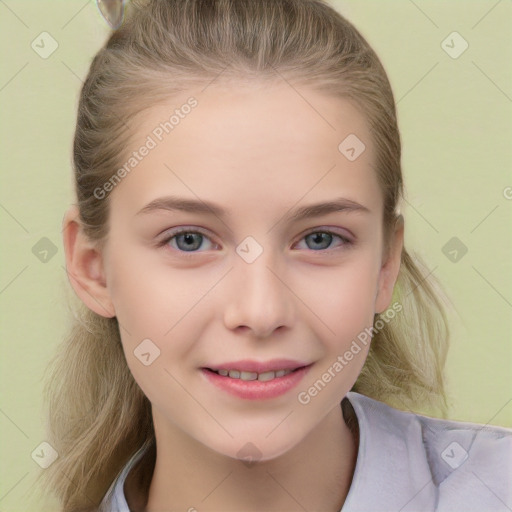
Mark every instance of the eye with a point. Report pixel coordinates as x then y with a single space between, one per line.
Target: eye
321 240
186 239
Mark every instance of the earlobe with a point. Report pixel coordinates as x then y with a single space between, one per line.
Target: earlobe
390 268
84 266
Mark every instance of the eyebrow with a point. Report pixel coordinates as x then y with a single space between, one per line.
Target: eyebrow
173 203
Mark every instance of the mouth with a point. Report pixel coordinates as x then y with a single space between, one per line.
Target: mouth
248 376
252 380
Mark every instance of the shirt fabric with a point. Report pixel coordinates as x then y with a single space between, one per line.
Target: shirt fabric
407 462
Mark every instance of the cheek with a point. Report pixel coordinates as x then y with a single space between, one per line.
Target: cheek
343 298
158 303
149 294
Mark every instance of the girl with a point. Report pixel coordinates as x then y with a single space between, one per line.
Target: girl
254 335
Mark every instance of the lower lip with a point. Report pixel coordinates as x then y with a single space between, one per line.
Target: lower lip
256 389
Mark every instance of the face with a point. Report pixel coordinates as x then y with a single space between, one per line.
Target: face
248 279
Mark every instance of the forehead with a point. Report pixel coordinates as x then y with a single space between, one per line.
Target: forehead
256 143
254 115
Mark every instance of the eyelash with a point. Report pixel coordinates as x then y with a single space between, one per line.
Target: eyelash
174 233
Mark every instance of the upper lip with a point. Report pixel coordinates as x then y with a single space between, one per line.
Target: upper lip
247 365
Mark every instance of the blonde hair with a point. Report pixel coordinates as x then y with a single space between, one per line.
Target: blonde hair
97 414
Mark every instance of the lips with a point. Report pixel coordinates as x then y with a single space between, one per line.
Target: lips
253 380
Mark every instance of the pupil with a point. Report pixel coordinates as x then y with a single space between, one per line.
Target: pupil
319 237
188 238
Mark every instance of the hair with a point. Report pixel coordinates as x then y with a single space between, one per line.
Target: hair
97 416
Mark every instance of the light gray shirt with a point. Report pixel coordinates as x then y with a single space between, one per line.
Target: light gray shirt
407 462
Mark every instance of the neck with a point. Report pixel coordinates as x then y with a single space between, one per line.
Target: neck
314 475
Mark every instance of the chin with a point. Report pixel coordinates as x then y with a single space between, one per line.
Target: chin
259 449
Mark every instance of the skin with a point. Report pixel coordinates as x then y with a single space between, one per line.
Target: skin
259 152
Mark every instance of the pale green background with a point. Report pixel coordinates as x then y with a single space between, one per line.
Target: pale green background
455 119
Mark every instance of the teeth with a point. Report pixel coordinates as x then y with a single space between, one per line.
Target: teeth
248 375
235 374
266 376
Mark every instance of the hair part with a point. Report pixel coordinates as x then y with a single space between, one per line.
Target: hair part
97 414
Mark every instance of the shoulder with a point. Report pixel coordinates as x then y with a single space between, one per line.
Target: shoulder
464 466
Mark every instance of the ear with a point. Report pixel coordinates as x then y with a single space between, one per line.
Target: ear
84 266
390 268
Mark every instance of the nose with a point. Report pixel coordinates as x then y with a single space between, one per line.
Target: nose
259 298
